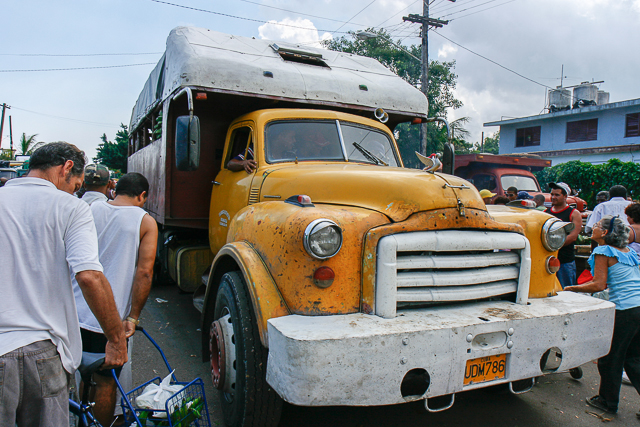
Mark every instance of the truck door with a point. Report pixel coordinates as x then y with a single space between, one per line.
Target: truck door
231 189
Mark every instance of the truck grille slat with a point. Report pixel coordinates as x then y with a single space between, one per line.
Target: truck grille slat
450 266
456 261
447 293
457 277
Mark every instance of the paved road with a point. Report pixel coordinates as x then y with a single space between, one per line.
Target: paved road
556 399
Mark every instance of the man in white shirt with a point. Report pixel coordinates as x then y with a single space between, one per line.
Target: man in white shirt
127 239
614 206
48 233
97 181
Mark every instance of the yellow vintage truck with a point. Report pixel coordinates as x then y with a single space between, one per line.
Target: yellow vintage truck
326 272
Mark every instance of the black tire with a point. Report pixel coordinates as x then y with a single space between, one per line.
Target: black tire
254 403
576 373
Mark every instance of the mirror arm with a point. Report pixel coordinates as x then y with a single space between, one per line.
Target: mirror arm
186 90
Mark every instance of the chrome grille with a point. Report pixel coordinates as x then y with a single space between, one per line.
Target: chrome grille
450 266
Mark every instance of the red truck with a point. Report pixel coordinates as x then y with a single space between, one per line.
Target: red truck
496 173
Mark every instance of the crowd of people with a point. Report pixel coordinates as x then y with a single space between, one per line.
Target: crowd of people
614 264
76 274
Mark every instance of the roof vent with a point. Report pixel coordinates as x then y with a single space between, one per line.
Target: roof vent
300 56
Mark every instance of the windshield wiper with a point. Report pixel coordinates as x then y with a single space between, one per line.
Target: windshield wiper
368 155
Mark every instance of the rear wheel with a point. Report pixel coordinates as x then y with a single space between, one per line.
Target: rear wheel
239 360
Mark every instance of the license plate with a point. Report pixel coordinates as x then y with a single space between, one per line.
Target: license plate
485 369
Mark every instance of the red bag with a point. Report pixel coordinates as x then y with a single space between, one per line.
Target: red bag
585 277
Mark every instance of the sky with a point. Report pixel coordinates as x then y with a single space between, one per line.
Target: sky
594 40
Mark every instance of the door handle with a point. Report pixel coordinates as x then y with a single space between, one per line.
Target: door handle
216 183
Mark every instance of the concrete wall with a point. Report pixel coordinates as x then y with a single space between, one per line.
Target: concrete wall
611 130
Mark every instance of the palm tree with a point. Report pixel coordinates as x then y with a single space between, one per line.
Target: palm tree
28 144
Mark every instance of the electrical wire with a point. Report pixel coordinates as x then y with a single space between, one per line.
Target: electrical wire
298 13
363 9
444 7
76 68
471 7
66 118
247 19
483 10
395 14
493 62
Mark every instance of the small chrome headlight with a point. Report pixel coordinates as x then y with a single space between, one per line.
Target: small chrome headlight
554 234
322 238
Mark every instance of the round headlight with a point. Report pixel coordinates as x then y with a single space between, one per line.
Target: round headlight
553 234
322 238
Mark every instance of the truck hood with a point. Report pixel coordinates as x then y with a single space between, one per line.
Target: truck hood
394 192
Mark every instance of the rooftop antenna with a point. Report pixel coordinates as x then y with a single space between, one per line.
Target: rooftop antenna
562 75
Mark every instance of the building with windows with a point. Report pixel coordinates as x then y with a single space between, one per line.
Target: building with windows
589 133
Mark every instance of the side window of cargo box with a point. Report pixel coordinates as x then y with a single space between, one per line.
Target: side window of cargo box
240 143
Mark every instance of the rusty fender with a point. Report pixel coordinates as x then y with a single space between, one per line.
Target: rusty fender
276 230
265 298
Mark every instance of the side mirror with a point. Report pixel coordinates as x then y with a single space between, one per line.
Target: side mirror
187 149
448 158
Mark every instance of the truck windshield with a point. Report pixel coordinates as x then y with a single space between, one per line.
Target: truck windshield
302 140
522 183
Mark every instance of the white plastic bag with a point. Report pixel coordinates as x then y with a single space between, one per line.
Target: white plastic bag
155 396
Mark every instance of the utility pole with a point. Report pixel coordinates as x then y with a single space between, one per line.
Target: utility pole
4 107
11 138
424 81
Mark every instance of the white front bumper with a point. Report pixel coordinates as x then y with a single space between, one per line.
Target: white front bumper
360 359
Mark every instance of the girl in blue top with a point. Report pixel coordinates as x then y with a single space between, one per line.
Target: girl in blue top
616 266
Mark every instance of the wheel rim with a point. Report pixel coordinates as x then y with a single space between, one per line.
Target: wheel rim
223 355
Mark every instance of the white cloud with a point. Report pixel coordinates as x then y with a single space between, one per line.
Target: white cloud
446 50
293 31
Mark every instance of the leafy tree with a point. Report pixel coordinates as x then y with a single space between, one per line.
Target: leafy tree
491 144
114 154
28 144
589 179
442 82
6 155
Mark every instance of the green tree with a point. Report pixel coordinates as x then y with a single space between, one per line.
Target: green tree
589 179
114 154
442 82
491 144
28 144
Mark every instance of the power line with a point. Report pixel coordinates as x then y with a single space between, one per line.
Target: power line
362 10
66 118
473 13
396 14
79 54
77 68
471 7
492 61
444 7
245 19
299 13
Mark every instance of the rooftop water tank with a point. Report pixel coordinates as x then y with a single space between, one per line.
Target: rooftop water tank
584 94
559 99
603 97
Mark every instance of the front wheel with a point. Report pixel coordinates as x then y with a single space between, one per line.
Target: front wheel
239 360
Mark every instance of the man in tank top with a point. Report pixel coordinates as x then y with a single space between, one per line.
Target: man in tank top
561 210
127 238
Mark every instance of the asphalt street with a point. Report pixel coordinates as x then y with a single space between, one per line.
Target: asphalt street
557 399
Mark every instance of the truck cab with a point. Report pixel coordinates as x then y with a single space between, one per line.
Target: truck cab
330 274
497 173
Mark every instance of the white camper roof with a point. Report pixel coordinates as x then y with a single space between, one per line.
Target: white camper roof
213 61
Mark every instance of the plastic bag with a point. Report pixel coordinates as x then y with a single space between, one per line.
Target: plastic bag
155 396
